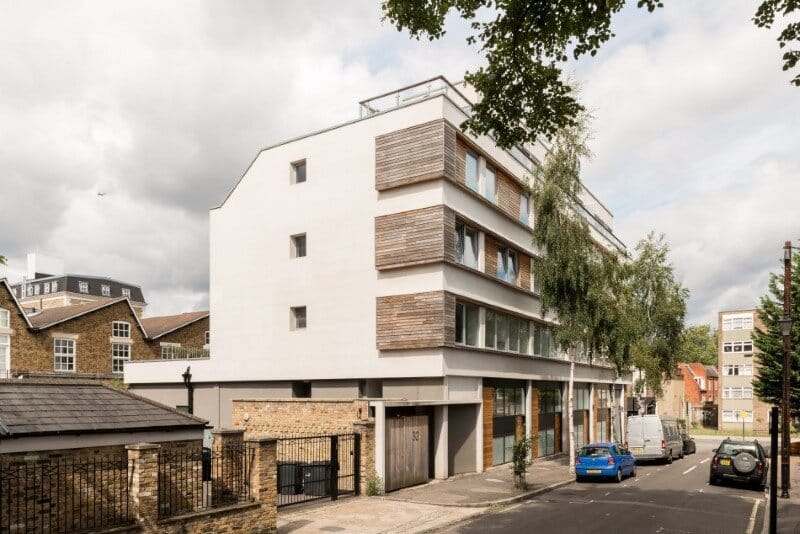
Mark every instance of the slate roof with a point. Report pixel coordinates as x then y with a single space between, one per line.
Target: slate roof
711 371
53 316
29 408
159 326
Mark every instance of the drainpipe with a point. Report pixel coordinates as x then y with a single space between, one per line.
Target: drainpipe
187 381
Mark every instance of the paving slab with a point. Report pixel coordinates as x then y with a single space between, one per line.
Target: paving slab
371 515
493 486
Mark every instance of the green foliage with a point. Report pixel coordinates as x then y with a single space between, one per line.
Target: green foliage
767 384
520 455
527 43
2 260
632 310
658 306
579 281
374 485
765 18
699 344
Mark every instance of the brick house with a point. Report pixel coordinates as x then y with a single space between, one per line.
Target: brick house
400 260
90 340
167 335
701 383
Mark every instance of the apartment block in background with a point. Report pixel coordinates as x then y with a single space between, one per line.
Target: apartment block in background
46 285
738 406
390 259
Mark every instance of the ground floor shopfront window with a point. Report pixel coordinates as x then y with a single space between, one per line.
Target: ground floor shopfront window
508 404
549 422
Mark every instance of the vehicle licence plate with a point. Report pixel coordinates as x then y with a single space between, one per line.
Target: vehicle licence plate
724 461
637 450
594 471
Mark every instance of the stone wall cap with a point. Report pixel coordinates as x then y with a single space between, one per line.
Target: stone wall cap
325 400
267 439
228 431
142 446
369 423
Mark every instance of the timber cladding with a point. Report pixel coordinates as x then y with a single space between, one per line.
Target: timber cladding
488 427
417 320
534 416
415 237
416 154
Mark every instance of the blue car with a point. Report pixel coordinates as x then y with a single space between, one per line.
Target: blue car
604 460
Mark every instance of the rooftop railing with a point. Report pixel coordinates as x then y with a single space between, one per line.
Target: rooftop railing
440 86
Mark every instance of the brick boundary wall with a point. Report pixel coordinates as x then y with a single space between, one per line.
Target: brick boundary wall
279 418
259 516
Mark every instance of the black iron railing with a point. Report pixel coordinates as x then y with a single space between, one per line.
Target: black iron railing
64 495
195 480
317 467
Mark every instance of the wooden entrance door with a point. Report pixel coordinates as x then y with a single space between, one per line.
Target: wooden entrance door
406 451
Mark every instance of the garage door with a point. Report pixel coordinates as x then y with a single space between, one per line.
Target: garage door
406 451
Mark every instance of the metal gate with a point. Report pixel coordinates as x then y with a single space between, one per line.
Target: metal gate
406 451
318 467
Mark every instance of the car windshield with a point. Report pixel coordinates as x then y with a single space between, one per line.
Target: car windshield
594 452
736 448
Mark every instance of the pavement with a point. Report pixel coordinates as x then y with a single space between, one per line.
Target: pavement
789 509
428 507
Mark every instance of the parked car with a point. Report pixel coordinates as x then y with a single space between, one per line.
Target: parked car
604 460
689 446
654 437
740 461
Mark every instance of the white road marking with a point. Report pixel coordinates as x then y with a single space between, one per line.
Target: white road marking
704 461
648 474
636 479
690 469
608 493
751 525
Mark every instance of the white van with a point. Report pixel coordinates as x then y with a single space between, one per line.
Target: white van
654 437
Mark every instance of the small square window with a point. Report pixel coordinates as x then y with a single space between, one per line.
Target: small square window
105 290
298 317
299 172
83 287
298 248
126 292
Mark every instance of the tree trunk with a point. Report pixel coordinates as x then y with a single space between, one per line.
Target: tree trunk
570 422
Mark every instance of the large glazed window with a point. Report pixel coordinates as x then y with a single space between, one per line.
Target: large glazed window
467 324
507 264
472 172
490 185
466 245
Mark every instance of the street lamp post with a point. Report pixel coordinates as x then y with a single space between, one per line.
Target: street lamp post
786 331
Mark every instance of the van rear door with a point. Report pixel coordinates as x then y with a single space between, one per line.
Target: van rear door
635 434
653 435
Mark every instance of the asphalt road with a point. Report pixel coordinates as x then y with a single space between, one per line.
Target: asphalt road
664 499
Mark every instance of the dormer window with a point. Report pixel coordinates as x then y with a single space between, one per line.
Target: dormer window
126 292
105 290
83 287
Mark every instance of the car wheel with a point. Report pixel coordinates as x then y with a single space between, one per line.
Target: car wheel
579 479
681 456
633 472
618 476
712 481
669 457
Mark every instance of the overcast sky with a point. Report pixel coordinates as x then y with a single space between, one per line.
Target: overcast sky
162 105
